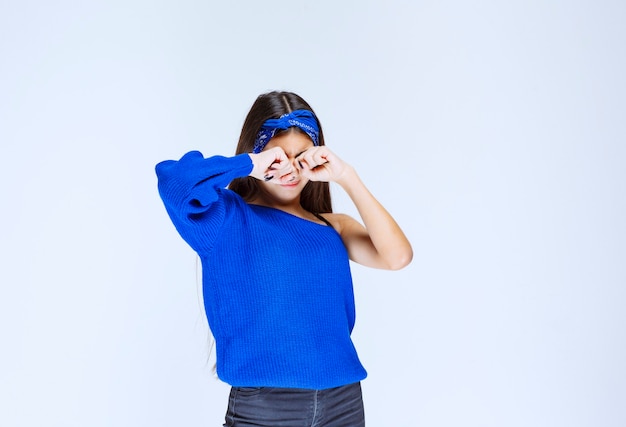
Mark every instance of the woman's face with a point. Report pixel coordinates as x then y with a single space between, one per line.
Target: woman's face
287 188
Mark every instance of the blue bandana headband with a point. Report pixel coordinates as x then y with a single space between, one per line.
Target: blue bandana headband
303 119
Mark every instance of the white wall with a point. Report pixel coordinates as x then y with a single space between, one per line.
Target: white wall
494 131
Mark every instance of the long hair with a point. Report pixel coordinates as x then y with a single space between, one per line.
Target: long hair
315 195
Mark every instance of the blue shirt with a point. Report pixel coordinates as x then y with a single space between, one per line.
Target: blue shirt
277 288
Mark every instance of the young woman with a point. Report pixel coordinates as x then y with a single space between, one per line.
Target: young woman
276 276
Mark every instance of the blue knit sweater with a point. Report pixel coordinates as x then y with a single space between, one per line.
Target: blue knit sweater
277 288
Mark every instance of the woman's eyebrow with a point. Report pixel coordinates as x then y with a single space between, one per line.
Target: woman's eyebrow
301 152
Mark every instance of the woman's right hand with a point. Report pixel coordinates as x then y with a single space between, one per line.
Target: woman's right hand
270 164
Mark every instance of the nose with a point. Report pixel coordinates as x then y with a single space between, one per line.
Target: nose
296 164
293 175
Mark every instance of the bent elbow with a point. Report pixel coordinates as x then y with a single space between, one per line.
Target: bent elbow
401 260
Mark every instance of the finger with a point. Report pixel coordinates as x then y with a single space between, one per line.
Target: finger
280 162
315 159
279 157
279 171
283 166
307 159
268 163
319 173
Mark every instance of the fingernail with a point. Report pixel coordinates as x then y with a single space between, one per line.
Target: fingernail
268 177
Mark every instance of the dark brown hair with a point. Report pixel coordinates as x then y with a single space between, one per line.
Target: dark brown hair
315 195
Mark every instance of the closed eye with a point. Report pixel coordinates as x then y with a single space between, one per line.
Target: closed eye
300 153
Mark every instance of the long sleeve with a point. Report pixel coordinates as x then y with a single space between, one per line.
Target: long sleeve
192 190
280 306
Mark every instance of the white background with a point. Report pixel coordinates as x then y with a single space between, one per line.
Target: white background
494 131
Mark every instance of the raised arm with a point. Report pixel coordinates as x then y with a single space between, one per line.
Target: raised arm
378 242
191 189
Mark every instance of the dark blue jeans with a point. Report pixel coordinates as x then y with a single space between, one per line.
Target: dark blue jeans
293 407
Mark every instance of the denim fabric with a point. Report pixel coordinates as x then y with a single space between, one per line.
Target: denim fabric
289 407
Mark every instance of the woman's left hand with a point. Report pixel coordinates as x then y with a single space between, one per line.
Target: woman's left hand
321 164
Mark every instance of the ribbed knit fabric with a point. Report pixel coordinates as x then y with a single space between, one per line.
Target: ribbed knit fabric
277 288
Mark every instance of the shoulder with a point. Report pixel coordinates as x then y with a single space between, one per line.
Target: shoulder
341 222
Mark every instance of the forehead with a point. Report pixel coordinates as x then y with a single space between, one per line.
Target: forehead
291 140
